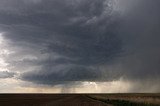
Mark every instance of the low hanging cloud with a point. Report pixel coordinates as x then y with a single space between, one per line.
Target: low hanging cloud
61 41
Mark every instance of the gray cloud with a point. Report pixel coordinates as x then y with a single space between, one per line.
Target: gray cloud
6 74
78 40
142 40
76 32
63 74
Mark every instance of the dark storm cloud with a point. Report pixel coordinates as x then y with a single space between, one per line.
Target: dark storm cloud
142 40
63 75
70 40
71 35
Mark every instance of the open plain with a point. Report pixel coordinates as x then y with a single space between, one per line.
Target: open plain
80 100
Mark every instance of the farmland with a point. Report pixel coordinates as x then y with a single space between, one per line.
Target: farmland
80 100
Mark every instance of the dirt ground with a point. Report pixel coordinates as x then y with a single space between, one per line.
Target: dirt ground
74 99
48 100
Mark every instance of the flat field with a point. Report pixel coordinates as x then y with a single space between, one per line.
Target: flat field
79 99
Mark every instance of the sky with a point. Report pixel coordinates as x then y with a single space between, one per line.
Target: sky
79 46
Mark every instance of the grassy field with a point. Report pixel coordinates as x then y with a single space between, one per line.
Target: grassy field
128 99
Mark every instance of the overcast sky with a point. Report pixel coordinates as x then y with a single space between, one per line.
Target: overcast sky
70 46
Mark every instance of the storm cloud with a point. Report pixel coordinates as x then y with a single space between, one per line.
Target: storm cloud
61 41
78 33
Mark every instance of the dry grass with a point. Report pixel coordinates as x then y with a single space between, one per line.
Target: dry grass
145 99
